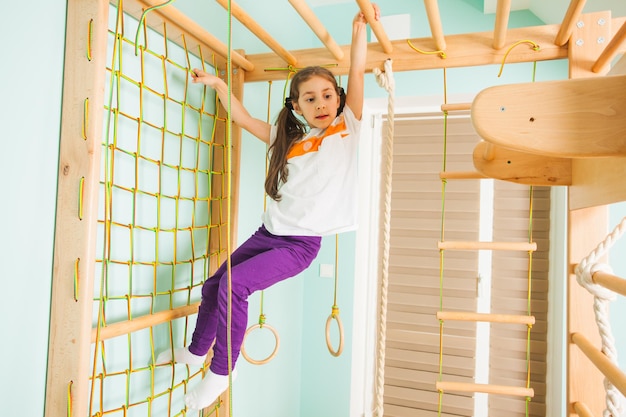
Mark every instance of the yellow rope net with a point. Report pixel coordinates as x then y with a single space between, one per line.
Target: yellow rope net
163 221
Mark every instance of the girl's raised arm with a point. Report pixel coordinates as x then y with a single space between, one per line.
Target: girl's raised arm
238 113
358 59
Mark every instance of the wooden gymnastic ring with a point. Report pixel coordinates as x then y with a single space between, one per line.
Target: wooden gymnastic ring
271 356
337 352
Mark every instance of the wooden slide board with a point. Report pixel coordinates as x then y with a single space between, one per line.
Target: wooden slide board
521 167
576 118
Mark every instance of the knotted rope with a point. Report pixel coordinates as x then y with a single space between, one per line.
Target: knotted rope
601 299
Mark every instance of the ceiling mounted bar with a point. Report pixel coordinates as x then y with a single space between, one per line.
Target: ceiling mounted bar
368 10
258 31
610 51
434 19
318 28
503 12
573 13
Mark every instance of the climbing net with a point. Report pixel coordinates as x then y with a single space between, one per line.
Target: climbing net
162 220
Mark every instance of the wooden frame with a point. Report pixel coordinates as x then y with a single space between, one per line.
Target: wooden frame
76 221
594 183
71 333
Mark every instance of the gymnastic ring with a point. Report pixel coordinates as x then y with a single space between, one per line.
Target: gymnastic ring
334 315
271 356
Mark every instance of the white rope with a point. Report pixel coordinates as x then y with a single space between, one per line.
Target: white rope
601 299
385 80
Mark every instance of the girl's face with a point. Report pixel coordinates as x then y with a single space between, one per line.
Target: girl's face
318 102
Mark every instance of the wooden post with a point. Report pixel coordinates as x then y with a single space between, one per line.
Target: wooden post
567 26
76 221
502 21
318 28
586 228
245 19
219 199
377 27
434 19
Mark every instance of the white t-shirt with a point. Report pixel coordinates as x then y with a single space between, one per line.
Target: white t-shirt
319 197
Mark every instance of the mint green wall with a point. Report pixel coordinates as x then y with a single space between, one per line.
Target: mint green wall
30 78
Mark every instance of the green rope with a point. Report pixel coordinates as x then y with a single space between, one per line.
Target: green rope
143 23
229 72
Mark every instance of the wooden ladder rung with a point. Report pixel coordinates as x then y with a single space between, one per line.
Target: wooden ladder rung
456 107
142 322
444 386
610 370
610 281
485 317
582 410
513 246
461 175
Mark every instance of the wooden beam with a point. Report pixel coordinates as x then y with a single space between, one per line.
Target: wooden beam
258 31
463 50
572 15
74 267
318 28
503 11
611 51
434 19
183 31
377 27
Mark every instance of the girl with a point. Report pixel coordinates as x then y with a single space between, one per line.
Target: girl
311 183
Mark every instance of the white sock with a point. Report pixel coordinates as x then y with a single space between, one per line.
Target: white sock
207 390
181 355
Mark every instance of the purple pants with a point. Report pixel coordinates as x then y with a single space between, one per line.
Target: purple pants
261 261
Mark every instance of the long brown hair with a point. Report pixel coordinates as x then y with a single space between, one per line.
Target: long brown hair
289 128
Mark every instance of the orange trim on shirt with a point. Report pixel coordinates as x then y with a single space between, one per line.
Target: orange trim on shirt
313 143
